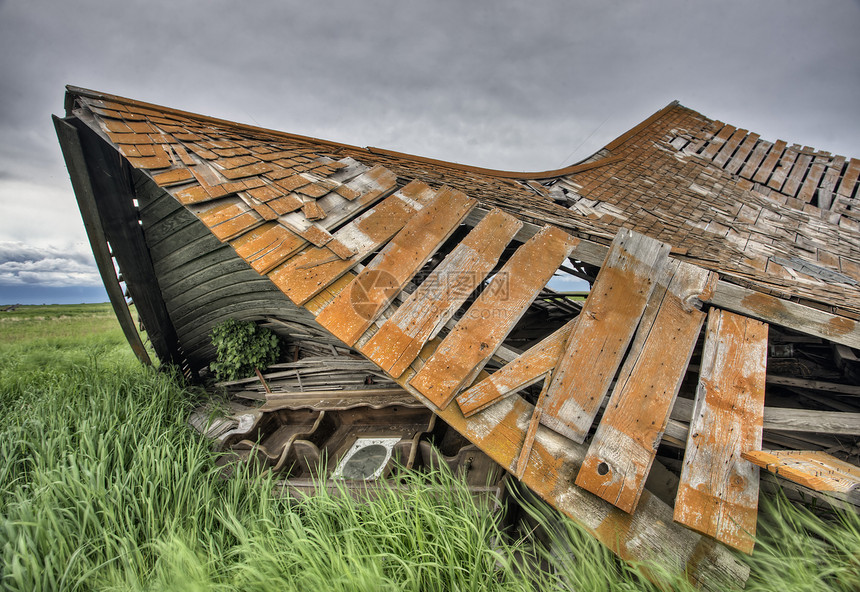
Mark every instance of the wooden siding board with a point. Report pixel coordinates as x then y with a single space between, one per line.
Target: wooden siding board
384 277
607 323
718 494
814 469
475 338
625 444
434 302
309 272
525 370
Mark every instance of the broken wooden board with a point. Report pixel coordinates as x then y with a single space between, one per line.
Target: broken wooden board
718 495
623 449
525 370
353 311
429 307
816 470
309 272
606 326
471 343
267 246
648 535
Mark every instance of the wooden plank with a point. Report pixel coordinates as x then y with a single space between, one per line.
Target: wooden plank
718 495
308 273
468 347
717 142
785 164
807 192
73 154
784 419
353 311
624 447
813 469
524 371
849 179
827 189
755 159
801 168
423 314
737 161
818 385
267 246
793 315
763 173
500 431
606 326
729 147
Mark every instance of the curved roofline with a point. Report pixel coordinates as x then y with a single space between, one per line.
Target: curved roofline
578 167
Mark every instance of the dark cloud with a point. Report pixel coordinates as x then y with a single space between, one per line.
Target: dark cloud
22 264
501 83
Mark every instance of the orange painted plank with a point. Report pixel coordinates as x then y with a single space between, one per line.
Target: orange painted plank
267 246
426 310
606 326
306 274
500 431
471 343
623 449
813 469
524 371
355 309
718 494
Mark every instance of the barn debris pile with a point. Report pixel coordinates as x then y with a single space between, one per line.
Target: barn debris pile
719 335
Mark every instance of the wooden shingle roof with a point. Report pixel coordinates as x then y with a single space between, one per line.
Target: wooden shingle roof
779 219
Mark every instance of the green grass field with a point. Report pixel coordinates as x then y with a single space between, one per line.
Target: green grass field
104 487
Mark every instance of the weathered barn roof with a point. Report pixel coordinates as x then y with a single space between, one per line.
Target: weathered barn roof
210 219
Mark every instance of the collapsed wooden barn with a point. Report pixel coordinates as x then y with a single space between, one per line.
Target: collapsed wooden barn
418 287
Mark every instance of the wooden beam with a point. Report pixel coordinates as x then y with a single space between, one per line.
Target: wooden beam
625 444
81 183
606 325
468 347
424 312
718 495
816 470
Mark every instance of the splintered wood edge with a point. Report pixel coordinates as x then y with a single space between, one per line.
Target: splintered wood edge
649 535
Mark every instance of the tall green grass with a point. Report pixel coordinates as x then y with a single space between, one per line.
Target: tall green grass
104 487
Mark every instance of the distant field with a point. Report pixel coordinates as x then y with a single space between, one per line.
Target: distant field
58 321
104 487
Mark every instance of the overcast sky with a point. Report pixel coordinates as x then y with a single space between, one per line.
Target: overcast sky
511 85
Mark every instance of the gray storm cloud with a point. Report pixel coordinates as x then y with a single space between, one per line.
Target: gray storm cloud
21 264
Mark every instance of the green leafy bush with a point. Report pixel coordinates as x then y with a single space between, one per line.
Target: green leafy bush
242 346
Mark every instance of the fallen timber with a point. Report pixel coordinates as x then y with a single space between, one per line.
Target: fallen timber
417 289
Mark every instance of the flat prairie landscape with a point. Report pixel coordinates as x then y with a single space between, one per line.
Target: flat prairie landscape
103 486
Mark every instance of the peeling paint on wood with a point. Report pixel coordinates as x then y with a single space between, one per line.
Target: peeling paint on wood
606 326
814 469
623 449
718 495
471 343
524 371
373 289
426 310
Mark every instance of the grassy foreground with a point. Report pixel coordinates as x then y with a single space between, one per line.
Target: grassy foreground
103 487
